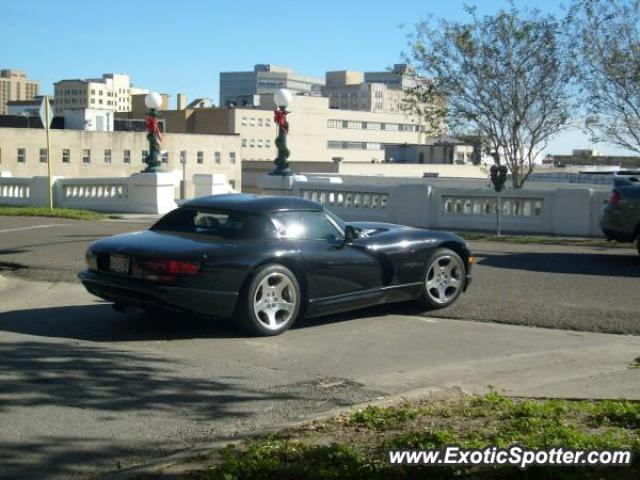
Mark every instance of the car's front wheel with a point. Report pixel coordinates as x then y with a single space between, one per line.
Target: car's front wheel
444 279
272 301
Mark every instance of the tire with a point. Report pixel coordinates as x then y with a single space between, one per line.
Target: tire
443 280
271 302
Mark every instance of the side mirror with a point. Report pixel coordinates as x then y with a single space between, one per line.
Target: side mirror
351 233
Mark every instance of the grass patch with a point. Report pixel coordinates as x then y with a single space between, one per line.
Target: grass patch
70 213
355 445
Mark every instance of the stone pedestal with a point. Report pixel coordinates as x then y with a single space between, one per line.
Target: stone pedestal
279 184
40 191
211 184
152 192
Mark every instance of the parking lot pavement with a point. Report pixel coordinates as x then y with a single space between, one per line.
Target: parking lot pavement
554 286
87 390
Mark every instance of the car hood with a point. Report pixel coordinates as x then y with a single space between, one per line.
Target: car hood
391 231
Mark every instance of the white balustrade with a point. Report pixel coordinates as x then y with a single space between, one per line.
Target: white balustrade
15 191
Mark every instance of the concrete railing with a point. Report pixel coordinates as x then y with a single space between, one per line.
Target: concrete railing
15 191
101 194
139 193
559 211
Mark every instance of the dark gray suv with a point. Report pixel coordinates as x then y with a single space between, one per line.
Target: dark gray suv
620 218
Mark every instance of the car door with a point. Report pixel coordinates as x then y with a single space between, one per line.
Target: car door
332 267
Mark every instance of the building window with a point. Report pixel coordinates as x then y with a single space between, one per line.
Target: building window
145 154
165 157
86 155
252 122
22 155
244 121
127 156
352 124
252 143
244 142
334 123
267 143
217 158
259 122
43 155
232 184
232 158
200 157
66 155
259 143
373 126
267 122
107 156
183 156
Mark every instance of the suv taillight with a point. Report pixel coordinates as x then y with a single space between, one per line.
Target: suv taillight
614 198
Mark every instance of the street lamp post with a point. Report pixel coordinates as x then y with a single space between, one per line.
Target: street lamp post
498 178
153 101
282 99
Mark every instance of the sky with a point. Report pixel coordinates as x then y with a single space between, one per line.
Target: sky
182 46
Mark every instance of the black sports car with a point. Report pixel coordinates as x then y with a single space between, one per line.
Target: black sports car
270 260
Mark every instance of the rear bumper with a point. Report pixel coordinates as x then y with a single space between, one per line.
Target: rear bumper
617 225
140 293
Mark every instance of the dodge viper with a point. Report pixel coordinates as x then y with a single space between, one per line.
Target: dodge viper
267 261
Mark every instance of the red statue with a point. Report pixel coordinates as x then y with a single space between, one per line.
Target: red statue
152 126
280 117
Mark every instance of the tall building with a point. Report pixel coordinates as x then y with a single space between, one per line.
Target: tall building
14 86
348 91
398 78
112 92
242 88
369 91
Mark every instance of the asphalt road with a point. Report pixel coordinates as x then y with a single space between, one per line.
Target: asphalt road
85 390
569 287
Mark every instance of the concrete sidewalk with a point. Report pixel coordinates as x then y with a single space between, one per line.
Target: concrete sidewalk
87 390
381 348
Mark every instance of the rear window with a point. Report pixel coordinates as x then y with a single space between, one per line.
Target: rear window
224 224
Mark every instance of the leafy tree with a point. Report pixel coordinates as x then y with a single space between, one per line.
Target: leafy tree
607 33
505 79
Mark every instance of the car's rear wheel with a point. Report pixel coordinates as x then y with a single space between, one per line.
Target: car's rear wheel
272 301
444 279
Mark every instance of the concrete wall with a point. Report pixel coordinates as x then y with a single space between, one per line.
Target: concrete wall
32 140
139 193
442 205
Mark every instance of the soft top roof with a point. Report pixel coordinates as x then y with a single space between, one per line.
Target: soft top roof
249 203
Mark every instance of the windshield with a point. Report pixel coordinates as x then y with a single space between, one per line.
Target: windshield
219 223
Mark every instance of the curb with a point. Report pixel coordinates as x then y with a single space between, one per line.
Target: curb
155 467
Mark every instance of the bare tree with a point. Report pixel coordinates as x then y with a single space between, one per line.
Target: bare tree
608 35
505 79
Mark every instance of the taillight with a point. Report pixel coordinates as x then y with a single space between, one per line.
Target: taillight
614 198
167 270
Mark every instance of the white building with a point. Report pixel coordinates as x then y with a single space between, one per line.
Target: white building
90 119
111 92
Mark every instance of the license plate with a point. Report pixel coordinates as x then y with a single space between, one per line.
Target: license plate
119 264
